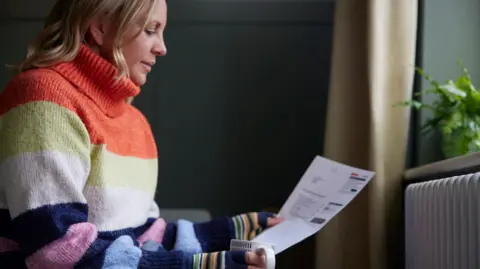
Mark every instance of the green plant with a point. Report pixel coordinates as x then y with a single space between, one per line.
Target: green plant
456 112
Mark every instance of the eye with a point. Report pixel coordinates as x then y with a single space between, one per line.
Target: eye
150 31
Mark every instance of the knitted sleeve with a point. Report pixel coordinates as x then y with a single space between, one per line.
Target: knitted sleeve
214 235
44 165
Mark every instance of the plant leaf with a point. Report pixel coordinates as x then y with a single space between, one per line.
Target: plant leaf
453 90
411 103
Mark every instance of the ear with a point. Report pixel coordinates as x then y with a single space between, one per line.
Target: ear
98 32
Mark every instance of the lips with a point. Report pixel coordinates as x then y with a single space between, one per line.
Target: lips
148 65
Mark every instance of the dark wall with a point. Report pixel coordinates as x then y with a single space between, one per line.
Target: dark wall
237 106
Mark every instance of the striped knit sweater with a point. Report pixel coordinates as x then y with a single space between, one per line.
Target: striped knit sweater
78 172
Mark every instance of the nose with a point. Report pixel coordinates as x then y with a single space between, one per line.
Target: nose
160 49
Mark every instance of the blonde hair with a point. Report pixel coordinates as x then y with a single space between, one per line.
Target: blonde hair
66 27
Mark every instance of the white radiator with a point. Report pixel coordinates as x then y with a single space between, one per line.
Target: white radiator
442 223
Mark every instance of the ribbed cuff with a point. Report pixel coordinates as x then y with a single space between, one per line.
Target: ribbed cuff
218 260
247 226
164 259
215 235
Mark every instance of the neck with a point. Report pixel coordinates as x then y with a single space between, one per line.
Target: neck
97 78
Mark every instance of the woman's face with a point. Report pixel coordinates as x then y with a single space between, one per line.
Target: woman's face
141 46
141 52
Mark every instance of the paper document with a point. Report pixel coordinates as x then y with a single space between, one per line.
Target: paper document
322 192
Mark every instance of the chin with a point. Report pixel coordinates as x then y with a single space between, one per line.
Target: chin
139 81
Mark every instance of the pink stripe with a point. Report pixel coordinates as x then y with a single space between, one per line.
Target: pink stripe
8 245
63 253
154 233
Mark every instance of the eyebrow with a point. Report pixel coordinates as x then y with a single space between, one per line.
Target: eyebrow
156 23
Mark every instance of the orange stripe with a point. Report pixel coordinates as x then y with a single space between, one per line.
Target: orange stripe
127 135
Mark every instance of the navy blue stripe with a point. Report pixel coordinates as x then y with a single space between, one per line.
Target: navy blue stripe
95 255
39 227
251 224
6 228
112 236
215 235
219 259
162 259
235 259
263 218
142 229
169 236
14 260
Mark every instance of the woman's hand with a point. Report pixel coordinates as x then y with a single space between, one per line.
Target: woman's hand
255 260
274 220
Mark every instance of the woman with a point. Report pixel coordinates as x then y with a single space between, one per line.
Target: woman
78 163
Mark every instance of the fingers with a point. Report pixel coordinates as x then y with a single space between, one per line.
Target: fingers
272 221
268 219
255 260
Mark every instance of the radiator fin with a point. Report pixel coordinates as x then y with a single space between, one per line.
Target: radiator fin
442 223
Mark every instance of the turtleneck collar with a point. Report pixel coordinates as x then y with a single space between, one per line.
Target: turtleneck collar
95 76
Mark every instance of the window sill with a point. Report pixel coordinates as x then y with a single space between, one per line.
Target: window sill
446 168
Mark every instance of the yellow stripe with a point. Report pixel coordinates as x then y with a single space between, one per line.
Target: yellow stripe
253 217
43 126
213 260
247 226
112 170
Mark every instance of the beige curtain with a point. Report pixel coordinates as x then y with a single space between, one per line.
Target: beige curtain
372 68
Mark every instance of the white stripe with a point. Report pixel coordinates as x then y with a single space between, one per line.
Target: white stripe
115 208
222 265
154 211
34 179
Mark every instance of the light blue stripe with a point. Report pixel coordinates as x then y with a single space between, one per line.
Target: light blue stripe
186 240
122 254
151 246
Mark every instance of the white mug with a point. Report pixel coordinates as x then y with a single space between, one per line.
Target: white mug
266 249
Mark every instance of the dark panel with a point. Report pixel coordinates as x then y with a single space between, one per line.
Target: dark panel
237 110
192 11
19 34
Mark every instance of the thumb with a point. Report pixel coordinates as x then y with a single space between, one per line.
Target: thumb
255 259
